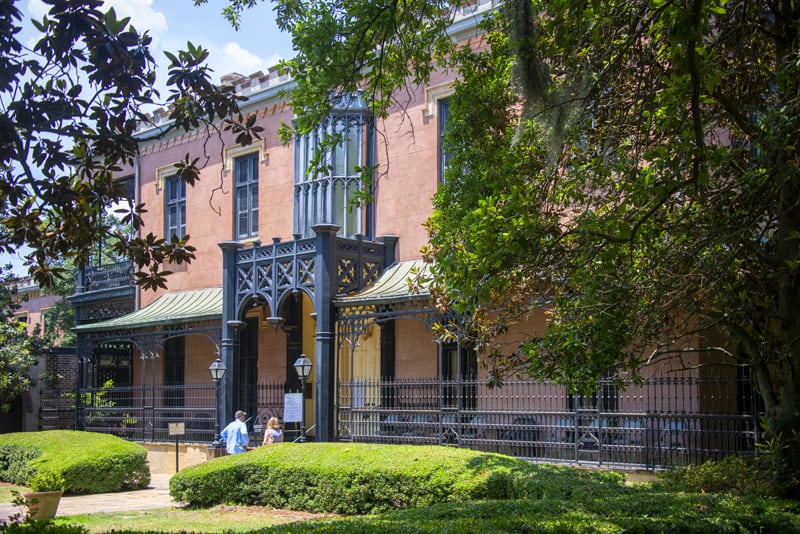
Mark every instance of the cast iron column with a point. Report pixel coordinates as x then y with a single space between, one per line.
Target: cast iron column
325 287
228 342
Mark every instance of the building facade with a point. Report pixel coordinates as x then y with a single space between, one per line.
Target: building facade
288 265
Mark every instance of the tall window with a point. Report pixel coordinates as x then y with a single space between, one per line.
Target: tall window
459 363
176 207
330 197
246 171
444 156
174 365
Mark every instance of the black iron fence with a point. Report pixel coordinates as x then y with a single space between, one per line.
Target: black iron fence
665 421
145 413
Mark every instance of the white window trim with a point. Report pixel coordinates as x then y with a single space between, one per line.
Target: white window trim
238 151
162 173
433 95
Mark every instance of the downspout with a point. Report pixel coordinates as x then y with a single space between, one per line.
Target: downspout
136 197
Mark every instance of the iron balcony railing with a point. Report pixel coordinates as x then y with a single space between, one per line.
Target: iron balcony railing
108 276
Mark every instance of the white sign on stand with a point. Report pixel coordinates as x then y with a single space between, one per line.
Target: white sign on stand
293 408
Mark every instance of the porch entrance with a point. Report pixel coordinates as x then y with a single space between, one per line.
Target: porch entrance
246 371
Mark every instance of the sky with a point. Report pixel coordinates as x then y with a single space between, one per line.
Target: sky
257 45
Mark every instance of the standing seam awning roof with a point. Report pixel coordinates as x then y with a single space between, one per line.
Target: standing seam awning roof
172 308
392 286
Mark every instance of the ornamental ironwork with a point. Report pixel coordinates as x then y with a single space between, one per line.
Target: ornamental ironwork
267 273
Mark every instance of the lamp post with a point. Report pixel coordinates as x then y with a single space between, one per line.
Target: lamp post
217 369
303 367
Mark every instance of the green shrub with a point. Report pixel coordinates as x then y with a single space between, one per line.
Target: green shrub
625 509
41 527
15 462
351 478
47 481
734 474
88 462
774 464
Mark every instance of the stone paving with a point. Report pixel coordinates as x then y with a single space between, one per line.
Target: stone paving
155 496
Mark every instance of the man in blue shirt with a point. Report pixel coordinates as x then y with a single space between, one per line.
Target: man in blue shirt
235 434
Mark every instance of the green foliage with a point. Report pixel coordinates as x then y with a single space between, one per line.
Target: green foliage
60 318
546 498
350 478
336 43
17 349
98 401
734 474
640 511
87 461
775 463
42 527
71 103
16 359
15 463
629 167
45 480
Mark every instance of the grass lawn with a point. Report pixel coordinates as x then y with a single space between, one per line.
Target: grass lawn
493 494
6 491
218 519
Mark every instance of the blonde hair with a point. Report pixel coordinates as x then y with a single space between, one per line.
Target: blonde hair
273 423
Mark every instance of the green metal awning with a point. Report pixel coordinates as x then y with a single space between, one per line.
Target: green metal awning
173 308
393 286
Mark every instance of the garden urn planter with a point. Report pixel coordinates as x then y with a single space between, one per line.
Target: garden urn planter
42 504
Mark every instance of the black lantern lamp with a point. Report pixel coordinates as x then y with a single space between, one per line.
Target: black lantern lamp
217 369
303 367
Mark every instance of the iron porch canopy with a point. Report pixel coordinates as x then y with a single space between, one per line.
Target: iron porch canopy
170 309
392 286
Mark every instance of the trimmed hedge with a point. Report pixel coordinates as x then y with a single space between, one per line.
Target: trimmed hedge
358 478
626 510
89 462
350 478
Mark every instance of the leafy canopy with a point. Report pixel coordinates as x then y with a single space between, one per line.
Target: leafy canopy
663 221
70 108
17 349
629 167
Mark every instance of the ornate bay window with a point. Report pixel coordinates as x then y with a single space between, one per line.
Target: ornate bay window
327 180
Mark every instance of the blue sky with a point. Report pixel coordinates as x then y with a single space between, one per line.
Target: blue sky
257 45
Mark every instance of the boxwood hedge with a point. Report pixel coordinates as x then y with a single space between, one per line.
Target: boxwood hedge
625 510
89 462
359 478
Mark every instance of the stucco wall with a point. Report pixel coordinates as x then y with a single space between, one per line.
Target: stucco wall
161 456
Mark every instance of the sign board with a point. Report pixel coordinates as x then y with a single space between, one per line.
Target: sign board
293 408
176 429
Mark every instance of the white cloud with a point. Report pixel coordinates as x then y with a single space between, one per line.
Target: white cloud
37 9
233 58
141 13
143 16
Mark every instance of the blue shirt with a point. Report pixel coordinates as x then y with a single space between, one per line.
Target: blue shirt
235 436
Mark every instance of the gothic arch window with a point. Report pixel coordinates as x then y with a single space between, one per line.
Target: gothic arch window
328 182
